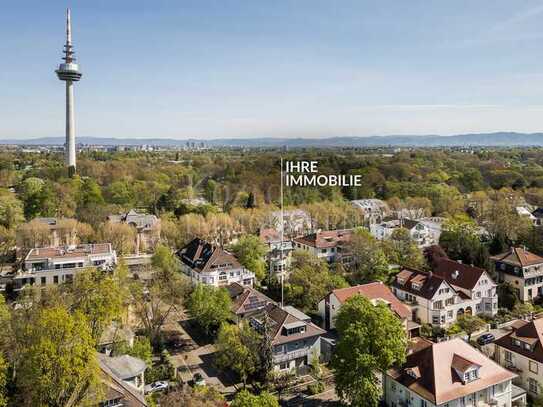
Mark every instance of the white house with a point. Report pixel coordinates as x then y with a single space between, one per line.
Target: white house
473 282
421 232
521 351
373 210
206 263
331 245
279 252
55 265
433 300
449 374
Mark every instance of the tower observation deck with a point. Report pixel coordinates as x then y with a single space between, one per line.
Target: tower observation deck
69 72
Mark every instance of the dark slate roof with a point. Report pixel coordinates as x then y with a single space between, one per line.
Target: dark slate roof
201 256
466 276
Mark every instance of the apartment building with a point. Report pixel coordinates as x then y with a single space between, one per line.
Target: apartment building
449 374
521 351
422 233
373 210
331 245
295 339
55 265
147 228
523 270
279 253
432 299
207 263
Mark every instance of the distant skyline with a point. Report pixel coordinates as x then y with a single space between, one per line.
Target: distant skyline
207 69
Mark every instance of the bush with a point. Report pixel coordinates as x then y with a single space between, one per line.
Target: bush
315 388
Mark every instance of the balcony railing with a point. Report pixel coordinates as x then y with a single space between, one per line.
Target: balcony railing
283 357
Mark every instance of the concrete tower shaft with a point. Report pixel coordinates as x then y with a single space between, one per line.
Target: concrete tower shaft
69 72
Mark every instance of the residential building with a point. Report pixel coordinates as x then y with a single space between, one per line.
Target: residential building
124 377
246 301
207 263
373 210
523 270
296 222
46 232
279 252
376 292
521 351
422 233
295 339
449 374
432 299
473 282
55 265
147 228
434 227
331 245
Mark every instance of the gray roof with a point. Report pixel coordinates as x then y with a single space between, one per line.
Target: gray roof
296 313
124 366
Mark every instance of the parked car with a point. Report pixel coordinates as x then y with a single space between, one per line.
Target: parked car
485 339
198 380
156 386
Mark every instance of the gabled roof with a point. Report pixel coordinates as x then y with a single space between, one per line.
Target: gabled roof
429 282
528 332
246 299
326 239
280 318
518 256
125 366
270 235
201 256
457 274
438 381
374 291
117 388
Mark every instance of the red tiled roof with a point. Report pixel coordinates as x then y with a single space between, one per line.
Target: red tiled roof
529 332
326 239
438 381
372 291
518 256
429 282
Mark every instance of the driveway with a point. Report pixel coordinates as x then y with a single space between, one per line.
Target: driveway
194 358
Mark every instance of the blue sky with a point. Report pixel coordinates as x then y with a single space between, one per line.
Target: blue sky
254 68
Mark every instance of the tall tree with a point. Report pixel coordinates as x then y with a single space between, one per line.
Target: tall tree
237 349
57 365
369 261
209 306
99 296
250 252
371 340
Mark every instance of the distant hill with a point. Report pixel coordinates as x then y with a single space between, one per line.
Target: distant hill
483 139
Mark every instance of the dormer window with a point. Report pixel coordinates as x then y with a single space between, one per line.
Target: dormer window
400 280
415 286
471 375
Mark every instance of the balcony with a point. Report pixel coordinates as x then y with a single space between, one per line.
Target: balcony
284 357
